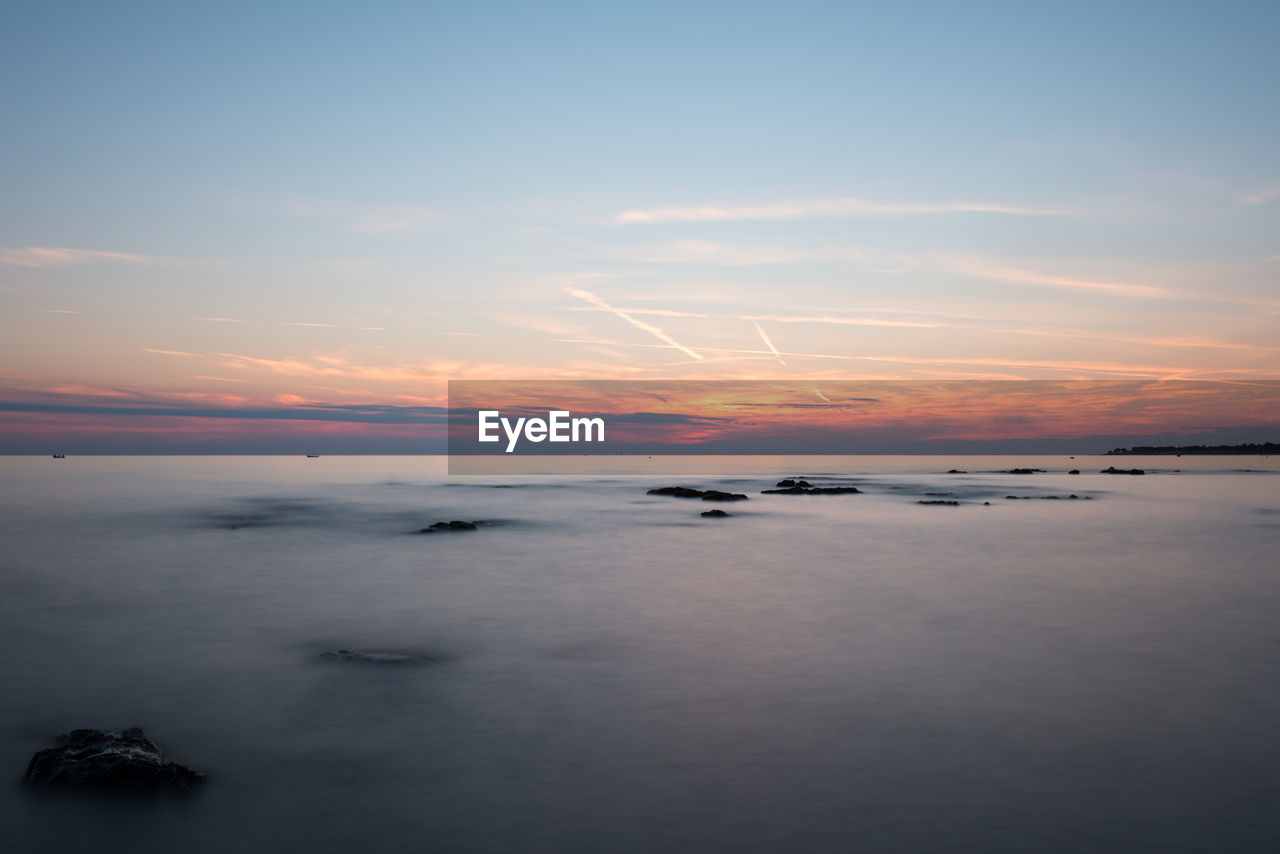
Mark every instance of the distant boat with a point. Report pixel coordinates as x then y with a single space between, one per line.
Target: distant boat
59 456
313 456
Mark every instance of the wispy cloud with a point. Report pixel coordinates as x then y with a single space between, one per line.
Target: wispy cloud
638 324
59 311
61 256
221 319
1262 196
818 208
167 352
980 268
764 337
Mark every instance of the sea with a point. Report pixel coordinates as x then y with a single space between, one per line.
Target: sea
1092 665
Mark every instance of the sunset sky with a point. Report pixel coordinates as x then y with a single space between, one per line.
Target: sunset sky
241 227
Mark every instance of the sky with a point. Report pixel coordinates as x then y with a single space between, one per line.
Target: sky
243 226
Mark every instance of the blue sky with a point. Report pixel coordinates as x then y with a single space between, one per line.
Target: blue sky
352 203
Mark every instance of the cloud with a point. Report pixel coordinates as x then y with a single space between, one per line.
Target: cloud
61 256
980 268
638 324
767 342
815 209
378 414
1261 197
167 352
59 311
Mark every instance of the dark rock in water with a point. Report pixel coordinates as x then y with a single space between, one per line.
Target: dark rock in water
1114 470
1025 471
956 471
375 657
98 760
1074 471
455 525
814 490
941 503
677 491
717 495
941 494
1052 497
704 494
1074 497
715 514
788 483
1015 497
986 504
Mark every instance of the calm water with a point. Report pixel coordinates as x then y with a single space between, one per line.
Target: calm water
613 672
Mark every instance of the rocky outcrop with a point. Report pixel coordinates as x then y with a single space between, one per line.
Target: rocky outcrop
956 471
375 657
455 525
704 494
1026 471
789 483
99 760
715 514
813 490
1114 470
941 503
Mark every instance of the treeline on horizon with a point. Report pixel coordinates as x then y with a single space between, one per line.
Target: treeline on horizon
1149 450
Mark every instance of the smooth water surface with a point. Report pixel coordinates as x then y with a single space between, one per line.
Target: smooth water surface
609 671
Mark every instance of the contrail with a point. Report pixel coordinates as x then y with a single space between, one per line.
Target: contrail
767 342
638 324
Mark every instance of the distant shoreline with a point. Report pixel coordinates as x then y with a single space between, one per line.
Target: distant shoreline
1149 451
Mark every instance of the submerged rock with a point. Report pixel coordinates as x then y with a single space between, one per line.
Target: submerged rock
704 494
375 657
1114 470
715 514
813 490
100 760
455 525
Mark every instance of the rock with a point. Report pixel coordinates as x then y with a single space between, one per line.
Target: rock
704 494
1114 470
941 503
814 490
986 504
1074 497
95 759
717 495
1074 471
1025 471
677 491
941 494
956 471
456 525
715 514
788 483
375 657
